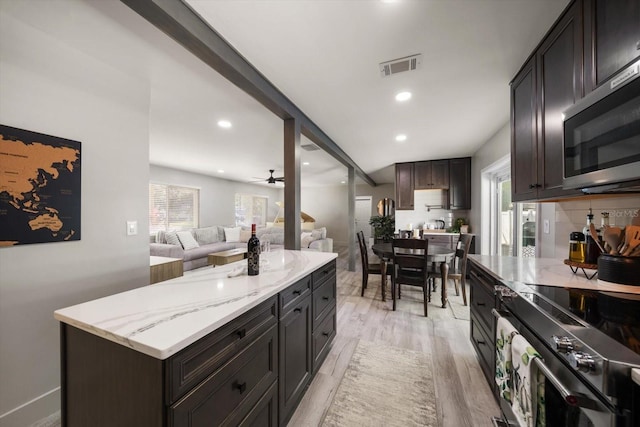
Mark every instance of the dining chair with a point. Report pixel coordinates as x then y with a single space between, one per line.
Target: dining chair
367 268
458 267
410 268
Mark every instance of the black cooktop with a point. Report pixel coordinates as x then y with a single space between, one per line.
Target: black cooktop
616 314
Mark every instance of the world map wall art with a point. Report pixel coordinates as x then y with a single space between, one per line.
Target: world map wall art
39 188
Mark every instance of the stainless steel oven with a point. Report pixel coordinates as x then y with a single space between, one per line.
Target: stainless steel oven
601 136
587 369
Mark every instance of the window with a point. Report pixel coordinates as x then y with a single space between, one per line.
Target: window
251 209
173 208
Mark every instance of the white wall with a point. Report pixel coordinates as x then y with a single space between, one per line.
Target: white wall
52 83
498 146
217 196
328 205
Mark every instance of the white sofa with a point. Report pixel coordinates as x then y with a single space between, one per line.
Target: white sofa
205 240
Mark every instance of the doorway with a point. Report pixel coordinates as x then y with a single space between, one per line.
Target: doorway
363 215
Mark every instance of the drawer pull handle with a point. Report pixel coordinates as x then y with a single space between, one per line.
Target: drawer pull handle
325 298
480 342
240 386
480 304
326 334
296 292
241 333
297 310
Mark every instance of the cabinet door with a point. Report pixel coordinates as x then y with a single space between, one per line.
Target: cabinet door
404 186
422 175
559 85
612 38
295 357
440 174
523 134
460 183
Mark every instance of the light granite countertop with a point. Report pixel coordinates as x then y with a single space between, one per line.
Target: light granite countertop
161 319
545 271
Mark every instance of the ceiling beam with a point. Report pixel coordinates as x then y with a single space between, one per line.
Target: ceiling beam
181 23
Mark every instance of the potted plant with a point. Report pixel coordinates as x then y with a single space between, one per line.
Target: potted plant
383 227
458 223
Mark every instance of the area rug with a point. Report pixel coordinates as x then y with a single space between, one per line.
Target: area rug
385 386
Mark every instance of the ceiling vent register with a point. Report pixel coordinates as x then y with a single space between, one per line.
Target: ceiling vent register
310 147
400 65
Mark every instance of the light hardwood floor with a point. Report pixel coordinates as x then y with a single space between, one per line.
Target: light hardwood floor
462 393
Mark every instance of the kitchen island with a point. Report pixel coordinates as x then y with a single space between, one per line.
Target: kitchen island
213 347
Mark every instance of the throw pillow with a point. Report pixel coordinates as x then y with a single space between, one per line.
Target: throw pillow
245 235
221 236
324 232
305 239
232 234
277 238
316 234
172 238
161 236
206 235
187 240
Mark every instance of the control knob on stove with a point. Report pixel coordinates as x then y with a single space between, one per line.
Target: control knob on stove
562 344
582 361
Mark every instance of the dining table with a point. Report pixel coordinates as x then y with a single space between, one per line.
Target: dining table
435 254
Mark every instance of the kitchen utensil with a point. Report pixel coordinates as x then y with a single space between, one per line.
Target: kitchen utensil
613 236
594 236
632 240
629 231
439 224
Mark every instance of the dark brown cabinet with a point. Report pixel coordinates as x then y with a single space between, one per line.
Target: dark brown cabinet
482 334
295 356
431 175
523 134
590 42
548 84
404 186
611 38
451 175
253 371
460 183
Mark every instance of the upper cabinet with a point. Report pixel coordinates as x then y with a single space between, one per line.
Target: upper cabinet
431 175
460 183
453 175
404 186
590 42
611 38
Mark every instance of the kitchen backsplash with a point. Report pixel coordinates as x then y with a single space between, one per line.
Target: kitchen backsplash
427 208
572 216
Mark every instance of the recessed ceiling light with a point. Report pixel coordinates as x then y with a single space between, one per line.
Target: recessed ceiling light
343 182
403 96
220 171
305 163
224 124
401 138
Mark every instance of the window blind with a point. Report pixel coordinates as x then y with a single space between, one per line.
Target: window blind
172 207
251 209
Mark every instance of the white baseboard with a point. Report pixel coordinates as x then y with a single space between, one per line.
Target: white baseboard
35 412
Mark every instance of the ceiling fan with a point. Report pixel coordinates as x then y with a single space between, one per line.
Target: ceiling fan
272 179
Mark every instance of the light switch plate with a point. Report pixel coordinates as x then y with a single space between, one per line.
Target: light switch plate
545 226
132 228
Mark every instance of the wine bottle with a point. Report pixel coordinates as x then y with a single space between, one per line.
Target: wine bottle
253 253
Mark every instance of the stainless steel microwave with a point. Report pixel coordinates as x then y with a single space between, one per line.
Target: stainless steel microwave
601 137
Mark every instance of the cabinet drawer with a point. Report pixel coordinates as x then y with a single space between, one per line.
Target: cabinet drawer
322 337
190 366
295 293
324 299
265 412
481 304
324 273
227 396
485 348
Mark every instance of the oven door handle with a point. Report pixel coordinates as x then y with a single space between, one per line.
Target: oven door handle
571 398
